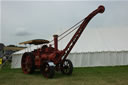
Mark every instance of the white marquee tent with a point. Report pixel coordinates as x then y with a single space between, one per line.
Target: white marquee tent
96 47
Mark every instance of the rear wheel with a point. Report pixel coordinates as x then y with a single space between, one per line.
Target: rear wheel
67 67
27 63
47 70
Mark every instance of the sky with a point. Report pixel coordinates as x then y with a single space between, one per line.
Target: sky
27 20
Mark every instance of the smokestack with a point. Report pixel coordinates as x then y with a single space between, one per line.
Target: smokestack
55 42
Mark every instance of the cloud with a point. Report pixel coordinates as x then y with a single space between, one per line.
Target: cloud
22 32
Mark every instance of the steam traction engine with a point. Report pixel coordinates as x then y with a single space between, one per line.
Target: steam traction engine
48 58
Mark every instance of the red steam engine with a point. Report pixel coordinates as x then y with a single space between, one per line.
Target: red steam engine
48 58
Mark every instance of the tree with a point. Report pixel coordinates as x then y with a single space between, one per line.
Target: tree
1 46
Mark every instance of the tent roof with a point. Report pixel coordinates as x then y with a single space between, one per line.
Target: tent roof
93 40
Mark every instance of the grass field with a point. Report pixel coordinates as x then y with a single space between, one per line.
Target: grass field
81 76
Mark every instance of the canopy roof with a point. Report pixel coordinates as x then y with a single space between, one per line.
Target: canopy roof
95 40
35 42
99 39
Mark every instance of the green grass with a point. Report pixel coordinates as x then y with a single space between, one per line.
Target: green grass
81 76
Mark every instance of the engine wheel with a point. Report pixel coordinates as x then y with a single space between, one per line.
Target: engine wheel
67 67
27 63
47 70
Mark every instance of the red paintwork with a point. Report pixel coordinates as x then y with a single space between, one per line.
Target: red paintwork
27 63
58 56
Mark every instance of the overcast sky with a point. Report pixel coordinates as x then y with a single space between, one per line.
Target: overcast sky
26 20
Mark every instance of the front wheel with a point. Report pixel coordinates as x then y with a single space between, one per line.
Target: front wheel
67 67
47 70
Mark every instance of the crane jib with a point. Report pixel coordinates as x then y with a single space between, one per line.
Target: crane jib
78 33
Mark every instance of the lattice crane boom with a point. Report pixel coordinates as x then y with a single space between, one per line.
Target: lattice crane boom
78 33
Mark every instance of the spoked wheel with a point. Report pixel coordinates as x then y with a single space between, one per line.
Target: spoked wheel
47 70
27 63
67 67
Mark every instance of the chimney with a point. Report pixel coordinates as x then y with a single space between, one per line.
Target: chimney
55 42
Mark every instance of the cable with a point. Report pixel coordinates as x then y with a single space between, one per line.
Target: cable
68 33
71 27
69 30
